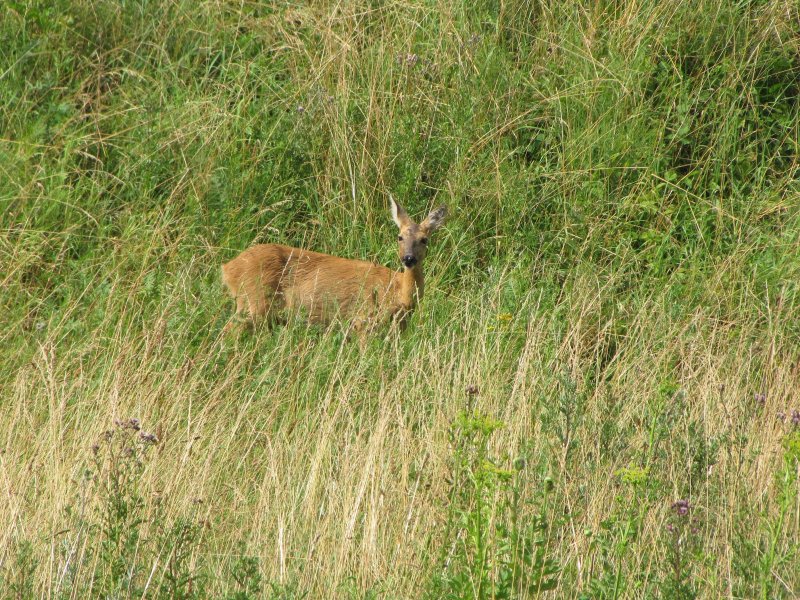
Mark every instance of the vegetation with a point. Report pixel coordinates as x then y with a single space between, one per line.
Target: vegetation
597 397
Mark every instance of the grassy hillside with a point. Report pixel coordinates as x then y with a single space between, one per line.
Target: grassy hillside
597 398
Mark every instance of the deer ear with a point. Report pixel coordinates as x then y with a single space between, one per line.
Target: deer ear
398 213
434 220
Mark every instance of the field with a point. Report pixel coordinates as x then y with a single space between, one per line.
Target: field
598 396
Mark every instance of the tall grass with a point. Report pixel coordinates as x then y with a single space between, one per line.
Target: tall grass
597 397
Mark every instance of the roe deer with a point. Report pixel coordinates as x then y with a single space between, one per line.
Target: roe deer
267 278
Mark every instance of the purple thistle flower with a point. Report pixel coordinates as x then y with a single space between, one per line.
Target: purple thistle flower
129 424
148 437
681 507
796 417
472 390
781 416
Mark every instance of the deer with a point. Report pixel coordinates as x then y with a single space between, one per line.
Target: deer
267 280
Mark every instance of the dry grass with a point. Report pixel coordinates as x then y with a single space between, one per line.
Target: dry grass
623 181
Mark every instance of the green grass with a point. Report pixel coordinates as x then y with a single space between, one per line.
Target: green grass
623 180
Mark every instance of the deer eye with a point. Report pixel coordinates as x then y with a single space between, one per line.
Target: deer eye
423 241
399 238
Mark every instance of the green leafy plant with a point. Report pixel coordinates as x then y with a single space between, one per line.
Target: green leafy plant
126 535
247 578
494 547
118 463
17 576
180 542
613 544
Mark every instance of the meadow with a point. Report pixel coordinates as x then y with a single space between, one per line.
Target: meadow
598 396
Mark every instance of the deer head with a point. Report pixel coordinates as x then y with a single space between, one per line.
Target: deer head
412 240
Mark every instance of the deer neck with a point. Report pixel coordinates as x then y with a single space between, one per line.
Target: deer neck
412 285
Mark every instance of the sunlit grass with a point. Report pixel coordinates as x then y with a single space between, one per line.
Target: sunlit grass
612 305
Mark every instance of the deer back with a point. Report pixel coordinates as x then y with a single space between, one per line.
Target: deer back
319 285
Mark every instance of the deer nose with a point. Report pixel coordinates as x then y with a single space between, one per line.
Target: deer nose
409 260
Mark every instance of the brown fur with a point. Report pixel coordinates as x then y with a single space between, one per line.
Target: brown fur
268 278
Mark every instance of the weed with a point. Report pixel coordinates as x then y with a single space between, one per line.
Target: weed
247 578
17 578
118 464
489 550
